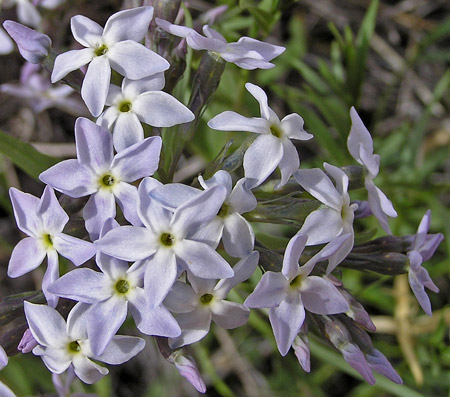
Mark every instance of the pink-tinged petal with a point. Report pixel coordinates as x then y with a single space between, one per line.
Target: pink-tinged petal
160 275
51 213
292 255
157 321
261 159
25 208
88 371
181 298
27 255
339 176
320 296
238 236
50 276
100 207
321 226
57 360
127 131
159 109
83 285
176 30
173 195
202 260
127 197
259 94
241 198
69 61
104 320
194 326
76 250
138 160
87 32
289 163
317 183
286 320
229 315
135 61
269 292
71 178
131 24
292 126
198 210
46 324
359 135
199 42
243 270
133 88
128 243
232 121
121 349
212 34
96 84
380 205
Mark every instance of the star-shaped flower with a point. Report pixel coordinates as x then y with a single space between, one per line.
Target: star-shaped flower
272 148
116 46
246 53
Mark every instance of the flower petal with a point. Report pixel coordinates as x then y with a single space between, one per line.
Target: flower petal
69 61
96 84
76 250
232 121
321 226
27 255
292 126
88 371
50 212
229 315
127 131
121 349
259 94
87 32
25 208
238 236
320 296
292 255
289 163
269 292
98 209
194 326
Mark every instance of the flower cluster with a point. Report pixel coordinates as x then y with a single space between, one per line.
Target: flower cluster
155 249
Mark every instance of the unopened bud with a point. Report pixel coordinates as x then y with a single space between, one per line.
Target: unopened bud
3 358
33 46
187 368
27 343
357 311
301 349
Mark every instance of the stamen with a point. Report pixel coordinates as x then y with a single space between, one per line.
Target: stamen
206 298
167 239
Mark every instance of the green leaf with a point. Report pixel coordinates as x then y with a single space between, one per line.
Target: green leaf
25 156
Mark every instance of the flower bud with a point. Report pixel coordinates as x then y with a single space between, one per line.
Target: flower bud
187 368
33 46
3 358
357 311
27 343
301 349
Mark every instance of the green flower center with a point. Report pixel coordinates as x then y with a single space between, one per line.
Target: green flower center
206 298
102 50
224 210
276 131
125 106
167 239
296 282
74 347
122 286
48 240
107 180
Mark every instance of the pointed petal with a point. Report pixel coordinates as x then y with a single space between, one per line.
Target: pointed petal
132 88
339 176
121 349
378 362
27 255
181 298
50 276
241 198
135 61
69 61
127 197
292 126
286 320
194 326
211 233
229 315
88 371
98 209
289 163
87 32
238 236
127 131
96 84
51 213
57 360
173 195
259 94
199 42
232 121
359 135
221 177
292 255
176 30
380 205
131 24
321 226
76 250
25 208
320 296
269 292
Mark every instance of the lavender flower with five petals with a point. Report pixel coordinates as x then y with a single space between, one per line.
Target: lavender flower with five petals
246 53
165 241
272 148
422 249
204 300
99 173
140 101
360 146
43 220
290 292
116 46
63 344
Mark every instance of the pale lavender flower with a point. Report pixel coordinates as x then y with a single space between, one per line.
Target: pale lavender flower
116 46
422 248
187 368
27 343
3 358
64 344
272 148
43 220
301 348
165 241
140 101
325 224
62 383
33 46
6 44
290 292
237 234
204 301
5 391
110 294
26 11
246 53
97 172
360 146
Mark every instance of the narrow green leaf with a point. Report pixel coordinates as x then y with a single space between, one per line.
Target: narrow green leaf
25 156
